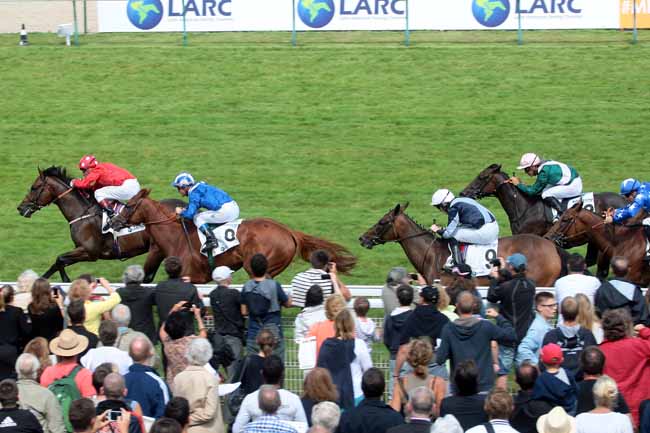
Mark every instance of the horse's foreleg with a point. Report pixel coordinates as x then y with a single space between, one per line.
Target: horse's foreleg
79 254
151 265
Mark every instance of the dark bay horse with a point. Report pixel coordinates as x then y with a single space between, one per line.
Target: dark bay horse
84 216
428 253
277 242
611 239
527 213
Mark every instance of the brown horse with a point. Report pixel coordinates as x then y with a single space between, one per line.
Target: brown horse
84 216
428 254
277 242
611 239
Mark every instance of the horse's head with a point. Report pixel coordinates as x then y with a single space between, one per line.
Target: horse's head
568 229
381 232
49 186
485 184
133 212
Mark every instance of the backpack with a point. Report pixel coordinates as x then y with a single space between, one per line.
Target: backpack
66 391
258 304
222 353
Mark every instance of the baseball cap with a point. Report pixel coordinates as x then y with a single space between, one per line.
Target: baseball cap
221 273
430 294
517 260
552 354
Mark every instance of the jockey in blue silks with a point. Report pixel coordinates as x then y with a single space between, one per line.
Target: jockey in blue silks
638 197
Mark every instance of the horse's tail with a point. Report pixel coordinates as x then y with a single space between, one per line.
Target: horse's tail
307 244
564 259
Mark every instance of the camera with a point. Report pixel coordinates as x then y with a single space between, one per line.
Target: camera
97 280
496 263
114 415
187 305
55 291
325 277
413 276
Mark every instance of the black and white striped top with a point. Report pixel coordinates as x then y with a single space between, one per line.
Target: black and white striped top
304 280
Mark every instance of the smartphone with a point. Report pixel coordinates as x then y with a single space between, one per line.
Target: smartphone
187 305
97 280
325 277
114 415
55 291
413 276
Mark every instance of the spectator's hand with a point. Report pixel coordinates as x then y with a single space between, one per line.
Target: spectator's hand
496 368
179 210
177 306
638 328
186 279
332 268
101 421
105 284
124 421
421 280
491 313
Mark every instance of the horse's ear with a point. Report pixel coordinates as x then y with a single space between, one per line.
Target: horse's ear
396 211
405 206
146 192
40 172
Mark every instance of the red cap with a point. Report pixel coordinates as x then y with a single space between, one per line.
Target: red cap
552 354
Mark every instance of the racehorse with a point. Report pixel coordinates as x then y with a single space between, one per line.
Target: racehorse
277 242
428 253
612 240
84 216
527 214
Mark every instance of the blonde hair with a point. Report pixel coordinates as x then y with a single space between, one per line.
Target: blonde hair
605 392
344 325
586 315
79 290
334 305
443 298
39 347
419 355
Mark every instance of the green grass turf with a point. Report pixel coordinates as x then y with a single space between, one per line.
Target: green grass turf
324 137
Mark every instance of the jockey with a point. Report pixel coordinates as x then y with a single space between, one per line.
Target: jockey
555 180
109 182
469 222
638 196
221 208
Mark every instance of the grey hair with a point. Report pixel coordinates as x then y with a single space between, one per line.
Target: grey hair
27 366
199 352
326 414
421 400
446 424
605 392
133 274
268 399
121 315
26 281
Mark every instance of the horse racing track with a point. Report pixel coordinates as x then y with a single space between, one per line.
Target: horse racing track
325 137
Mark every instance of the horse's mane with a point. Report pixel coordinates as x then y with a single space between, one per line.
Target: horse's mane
58 172
415 221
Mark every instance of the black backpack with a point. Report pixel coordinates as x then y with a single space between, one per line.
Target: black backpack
258 304
222 354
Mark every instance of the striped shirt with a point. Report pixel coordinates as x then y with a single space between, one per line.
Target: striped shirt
304 280
499 426
269 424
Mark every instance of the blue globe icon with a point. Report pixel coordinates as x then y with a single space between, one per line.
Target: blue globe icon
491 13
316 13
144 14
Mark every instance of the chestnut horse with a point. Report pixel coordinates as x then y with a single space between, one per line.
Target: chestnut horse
277 242
612 240
428 253
85 219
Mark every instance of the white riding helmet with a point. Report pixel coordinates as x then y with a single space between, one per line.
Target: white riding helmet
528 160
442 196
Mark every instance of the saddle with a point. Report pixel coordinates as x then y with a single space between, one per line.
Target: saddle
587 200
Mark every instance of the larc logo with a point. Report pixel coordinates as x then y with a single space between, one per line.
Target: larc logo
319 13
144 14
491 13
316 13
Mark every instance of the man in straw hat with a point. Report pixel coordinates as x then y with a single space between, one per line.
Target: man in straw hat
556 421
67 347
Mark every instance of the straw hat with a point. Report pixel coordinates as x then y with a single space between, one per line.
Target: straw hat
556 421
68 343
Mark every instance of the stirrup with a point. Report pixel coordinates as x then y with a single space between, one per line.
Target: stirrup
209 245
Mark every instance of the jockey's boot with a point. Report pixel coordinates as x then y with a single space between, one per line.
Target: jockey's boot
455 252
107 206
555 204
646 230
210 241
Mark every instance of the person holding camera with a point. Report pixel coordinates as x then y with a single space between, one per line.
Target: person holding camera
322 273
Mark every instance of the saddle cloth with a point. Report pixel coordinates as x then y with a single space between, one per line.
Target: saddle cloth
226 235
478 257
588 203
124 232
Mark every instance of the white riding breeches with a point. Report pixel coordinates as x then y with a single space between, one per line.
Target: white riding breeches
123 193
561 192
228 212
485 235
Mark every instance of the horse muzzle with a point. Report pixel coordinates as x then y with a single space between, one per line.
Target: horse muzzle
26 210
368 242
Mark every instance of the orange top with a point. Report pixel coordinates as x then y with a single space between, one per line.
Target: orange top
322 331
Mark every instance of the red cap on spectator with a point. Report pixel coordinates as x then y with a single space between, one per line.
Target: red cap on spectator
552 354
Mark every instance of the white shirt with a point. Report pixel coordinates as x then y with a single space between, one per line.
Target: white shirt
499 425
96 357
612 422
572 284
290 409
361 363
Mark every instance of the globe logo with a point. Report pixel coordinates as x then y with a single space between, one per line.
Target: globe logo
316 13
144 14
491 13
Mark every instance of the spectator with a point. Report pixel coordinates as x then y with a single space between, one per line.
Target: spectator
174 290
200 389
372 415
83 418
263 298
592 362
447 424
40 401
318 387
419 357
142 381
576 281
425 321
99 375
466 404
546 308
67 347
419 409
14 332
571 337
462 281
107 352
24 283
556 421
627 358
555 386
445 306
291 407
514 293
470 337
12 418
115 391
140 301
325 329
269 403
77 316
498 407
366 328
121 315
80 289
346 358
166 425
251 374
605 398
323 273
40 349
527 411
621 293
45 310
587 318
178 409
176 337
326 415
227 312
396 277
393 324
313 312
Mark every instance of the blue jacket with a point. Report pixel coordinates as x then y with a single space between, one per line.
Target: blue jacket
147 388
532 343
558 389
206 196
641 202
465 212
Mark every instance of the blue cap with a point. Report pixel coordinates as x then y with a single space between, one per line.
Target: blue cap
517 260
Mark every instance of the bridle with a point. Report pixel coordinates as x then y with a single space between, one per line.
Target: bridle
563 229
133 208
45 186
